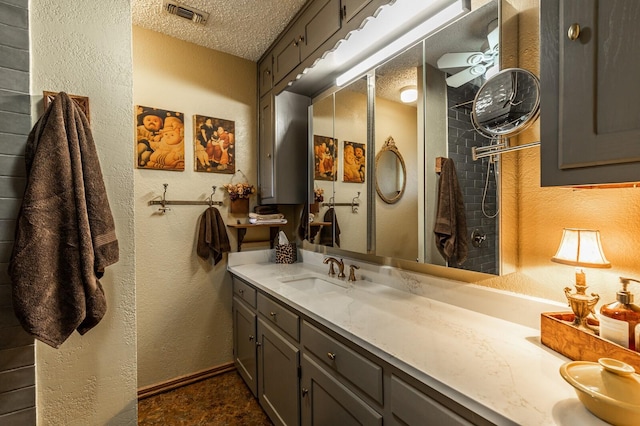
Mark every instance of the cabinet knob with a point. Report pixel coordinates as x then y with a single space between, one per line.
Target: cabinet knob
574 32
241 291
305 391
273 314
331 355
258 344
251 338
268 155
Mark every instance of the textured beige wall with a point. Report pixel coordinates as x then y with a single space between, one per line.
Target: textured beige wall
184 303
78 48
537 215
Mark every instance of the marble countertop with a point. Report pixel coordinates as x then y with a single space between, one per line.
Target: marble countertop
477 346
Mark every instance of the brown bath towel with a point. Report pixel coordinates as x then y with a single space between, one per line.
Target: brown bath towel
330 234
65 234
451 223
212 236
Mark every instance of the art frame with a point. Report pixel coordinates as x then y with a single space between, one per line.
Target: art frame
214 145
354 162
325 154
159 139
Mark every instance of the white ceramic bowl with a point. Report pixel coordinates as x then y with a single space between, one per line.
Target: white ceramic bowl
609 389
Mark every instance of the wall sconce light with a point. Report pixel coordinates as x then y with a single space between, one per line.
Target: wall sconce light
409 94
581 248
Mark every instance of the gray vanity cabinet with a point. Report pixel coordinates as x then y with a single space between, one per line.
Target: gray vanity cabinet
265 76
326 401
278 361
244 344
590 125
351 8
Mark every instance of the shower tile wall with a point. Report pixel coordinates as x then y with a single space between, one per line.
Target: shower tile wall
472 177
17 370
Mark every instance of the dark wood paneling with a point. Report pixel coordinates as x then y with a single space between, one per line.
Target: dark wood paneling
17 357
17 400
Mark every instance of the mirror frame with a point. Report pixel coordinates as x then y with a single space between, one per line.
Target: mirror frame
390 146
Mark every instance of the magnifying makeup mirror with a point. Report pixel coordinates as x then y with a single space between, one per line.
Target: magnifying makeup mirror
507 103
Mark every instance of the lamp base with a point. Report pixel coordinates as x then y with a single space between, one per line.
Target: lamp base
582 305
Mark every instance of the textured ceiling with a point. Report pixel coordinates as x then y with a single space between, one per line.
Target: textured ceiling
244 28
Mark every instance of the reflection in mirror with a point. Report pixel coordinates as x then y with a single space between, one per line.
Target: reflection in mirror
340 149
391 173
436 124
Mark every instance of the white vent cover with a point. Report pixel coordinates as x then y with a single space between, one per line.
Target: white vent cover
186 12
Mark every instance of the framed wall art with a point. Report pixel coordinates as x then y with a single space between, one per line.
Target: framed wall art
325 151
354 162
159 139
214 145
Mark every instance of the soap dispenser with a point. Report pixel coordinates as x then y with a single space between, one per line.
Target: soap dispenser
620 320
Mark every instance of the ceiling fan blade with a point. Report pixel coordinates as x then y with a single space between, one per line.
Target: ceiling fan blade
493 37
457 60
462 77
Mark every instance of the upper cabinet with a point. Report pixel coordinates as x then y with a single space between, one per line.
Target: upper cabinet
319 21
265 76
590 114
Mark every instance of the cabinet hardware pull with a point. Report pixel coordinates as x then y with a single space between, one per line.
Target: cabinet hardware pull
251 338
258 344
305 391
574 32
241 291
268 155
331 355
273 314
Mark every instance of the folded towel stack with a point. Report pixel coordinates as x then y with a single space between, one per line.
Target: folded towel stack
277 218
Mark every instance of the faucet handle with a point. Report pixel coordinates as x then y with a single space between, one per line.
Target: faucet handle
330 261
352 274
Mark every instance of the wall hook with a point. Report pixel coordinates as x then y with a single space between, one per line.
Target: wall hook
355 204
213 191
163 203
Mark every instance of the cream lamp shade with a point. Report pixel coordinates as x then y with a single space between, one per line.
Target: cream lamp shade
581 247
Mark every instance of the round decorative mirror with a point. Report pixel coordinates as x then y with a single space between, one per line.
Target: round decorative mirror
391 173
507 103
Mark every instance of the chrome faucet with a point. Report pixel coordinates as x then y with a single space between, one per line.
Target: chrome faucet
331 261
352 274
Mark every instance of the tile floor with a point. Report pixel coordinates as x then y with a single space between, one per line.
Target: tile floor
223 400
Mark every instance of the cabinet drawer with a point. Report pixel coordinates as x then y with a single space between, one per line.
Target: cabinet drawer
277 314
245 292
360 371
413 407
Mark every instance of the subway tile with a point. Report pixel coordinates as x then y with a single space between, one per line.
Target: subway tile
15 101
9 208
14 37
12 58
4 280
11 122
13 144
5 251
11 187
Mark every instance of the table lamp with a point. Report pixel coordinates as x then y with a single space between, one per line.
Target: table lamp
581 248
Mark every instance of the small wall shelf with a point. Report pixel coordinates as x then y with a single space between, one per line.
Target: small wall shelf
241 228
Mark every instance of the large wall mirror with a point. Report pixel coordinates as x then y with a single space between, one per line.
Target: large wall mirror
444 71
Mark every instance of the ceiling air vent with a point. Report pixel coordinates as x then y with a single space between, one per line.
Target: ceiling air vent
186 12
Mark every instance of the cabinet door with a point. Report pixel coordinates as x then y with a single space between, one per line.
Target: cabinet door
590 114
321 20
244 344
286 54
409 406
267 147
265 75
326 401
350 8
278 376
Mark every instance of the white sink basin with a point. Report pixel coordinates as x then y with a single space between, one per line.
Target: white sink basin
312 282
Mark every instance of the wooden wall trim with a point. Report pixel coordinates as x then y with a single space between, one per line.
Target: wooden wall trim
147 391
